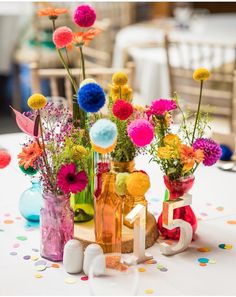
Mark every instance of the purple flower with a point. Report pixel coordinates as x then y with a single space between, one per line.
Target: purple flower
84 16
212 150
161 106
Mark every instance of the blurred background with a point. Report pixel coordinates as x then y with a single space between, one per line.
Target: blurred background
158 43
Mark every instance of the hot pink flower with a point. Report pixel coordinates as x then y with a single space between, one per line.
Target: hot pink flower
70 181
141 132
62 37
161 106
84 16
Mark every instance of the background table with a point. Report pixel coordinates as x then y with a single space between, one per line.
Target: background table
214 204
151 78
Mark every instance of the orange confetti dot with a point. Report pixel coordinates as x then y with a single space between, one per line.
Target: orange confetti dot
231 222
8 222
202 264
141 269
220 208
203 249
55 265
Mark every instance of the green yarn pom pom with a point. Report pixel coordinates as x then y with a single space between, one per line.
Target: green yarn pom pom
121 183
29 170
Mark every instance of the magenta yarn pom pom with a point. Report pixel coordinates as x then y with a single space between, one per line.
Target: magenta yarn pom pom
212 150
141 132
62 37
84 16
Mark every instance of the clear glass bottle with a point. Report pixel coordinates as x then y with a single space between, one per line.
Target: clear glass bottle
108 218
56 225
30 201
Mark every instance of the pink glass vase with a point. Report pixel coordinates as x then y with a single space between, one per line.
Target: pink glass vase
56 226
177 188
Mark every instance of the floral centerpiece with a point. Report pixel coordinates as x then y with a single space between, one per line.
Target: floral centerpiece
54 150
87 98
179 154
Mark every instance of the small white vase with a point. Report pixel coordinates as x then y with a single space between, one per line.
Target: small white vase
73 256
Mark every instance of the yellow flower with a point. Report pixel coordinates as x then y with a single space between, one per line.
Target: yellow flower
119 78
120 92
78 151
201 74
37 101
168 119
172 140
126 92
137 183
167 152
139 107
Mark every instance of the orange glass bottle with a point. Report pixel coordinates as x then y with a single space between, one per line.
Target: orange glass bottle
108 216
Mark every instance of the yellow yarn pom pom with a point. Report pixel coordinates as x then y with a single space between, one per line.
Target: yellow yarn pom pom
119 78
137 183
102 150
37 101
201 74
87 81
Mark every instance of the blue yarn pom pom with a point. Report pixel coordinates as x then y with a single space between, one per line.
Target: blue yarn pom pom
226 153
103 133
91 97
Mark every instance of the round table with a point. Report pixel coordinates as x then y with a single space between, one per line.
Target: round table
213 202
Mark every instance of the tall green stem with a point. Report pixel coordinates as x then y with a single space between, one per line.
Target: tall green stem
82 61
198 111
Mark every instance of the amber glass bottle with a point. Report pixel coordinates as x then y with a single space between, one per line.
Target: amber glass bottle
108 218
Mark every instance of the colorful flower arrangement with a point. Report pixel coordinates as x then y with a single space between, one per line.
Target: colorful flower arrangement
54 148
179 154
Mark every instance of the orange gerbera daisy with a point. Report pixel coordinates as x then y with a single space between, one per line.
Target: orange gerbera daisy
188 156
51 12
29 155
83 38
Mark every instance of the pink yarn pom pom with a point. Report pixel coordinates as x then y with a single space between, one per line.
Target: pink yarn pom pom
5 159
62 37
84 16
141 132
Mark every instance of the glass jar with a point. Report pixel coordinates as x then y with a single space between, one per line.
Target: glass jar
108 216
177 188
83 202
30 201
56 225
129 201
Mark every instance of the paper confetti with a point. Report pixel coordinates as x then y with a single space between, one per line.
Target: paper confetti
84 278
34 258
203 249
231 222
8 222
202 264
149 291
13 253
55 265
225 246
41 267
220 208
22 238
16 245
70 280
203 260
151 261
141 269
27 257
40 262
38 275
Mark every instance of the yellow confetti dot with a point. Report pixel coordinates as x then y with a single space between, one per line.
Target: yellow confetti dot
203 249
228 246
38 275
55 265
70 280
211 261
231 222
34 258
141 269
41 267
149 291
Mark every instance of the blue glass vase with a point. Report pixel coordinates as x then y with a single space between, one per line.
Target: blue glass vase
31 202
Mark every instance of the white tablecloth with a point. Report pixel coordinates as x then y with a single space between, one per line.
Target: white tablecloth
151 78
213 189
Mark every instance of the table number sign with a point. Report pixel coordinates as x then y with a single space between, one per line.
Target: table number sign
186 232
137 216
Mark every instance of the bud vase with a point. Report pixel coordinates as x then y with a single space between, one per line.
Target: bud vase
83 202
30 201
56 225
177 188
130 201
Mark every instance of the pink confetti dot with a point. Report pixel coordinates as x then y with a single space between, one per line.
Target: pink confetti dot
18 218
84 278
203 214
16 245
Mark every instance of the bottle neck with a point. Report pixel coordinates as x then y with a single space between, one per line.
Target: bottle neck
108 182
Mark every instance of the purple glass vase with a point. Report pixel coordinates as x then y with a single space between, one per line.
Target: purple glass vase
56 225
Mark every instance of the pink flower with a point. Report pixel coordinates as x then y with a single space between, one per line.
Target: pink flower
70 181
62 37
122 109
141 132
161 106
84 16
212 150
